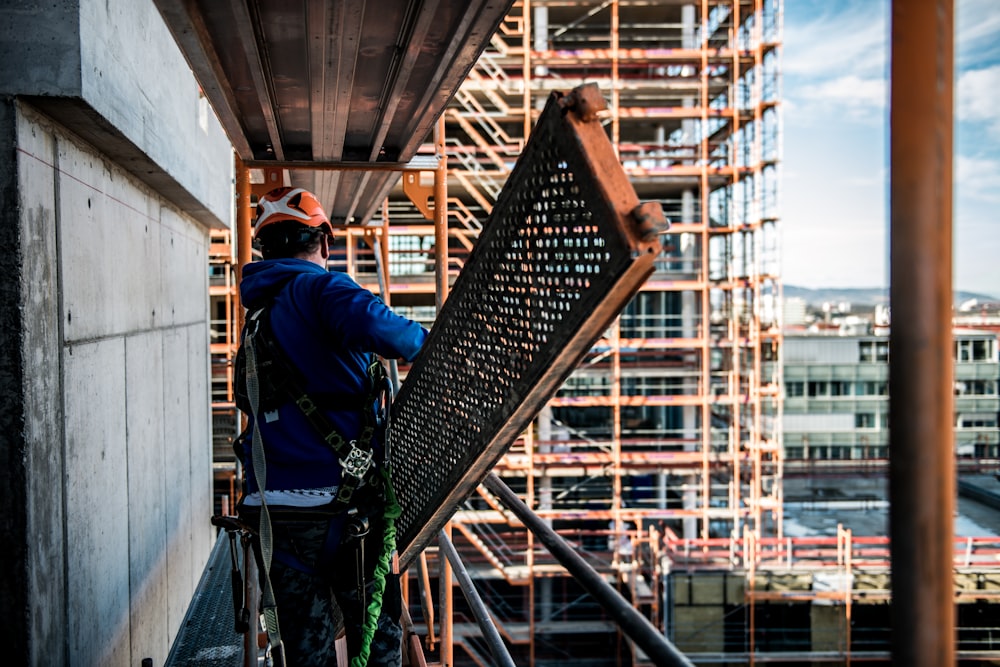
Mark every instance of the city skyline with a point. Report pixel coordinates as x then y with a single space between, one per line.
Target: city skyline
835 184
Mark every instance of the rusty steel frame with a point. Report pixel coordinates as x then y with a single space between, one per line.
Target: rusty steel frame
571 128
921 402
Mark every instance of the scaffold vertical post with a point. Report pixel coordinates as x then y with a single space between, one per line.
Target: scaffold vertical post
921 447
243 232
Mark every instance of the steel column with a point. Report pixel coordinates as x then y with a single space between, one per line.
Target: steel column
921 449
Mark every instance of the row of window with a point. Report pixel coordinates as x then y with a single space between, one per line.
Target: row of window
976 388
877 351
848 453
814 388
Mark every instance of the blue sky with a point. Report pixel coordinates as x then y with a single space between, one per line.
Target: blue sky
835 187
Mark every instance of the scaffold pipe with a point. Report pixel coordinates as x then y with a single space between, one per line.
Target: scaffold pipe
499 650
632 623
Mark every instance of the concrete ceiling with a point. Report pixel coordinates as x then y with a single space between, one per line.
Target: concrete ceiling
331 82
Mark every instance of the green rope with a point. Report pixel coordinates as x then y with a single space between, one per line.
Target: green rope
392 512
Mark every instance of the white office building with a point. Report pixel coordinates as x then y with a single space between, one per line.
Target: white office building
837 396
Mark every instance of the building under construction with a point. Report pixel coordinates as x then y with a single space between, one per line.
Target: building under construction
498 170
660 457
669 426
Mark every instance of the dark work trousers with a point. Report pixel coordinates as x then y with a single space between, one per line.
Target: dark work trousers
313 606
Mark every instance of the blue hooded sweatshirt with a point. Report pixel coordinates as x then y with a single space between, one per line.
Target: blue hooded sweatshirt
328 325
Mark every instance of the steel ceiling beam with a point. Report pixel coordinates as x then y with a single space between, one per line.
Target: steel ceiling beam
249 36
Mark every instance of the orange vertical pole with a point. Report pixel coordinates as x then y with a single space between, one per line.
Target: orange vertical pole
445 585
441 217
615 94
529 450
383 249
706 379
243 255
526 66
921 404
243 232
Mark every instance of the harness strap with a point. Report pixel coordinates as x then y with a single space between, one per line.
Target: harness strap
355 457
266 537
357 466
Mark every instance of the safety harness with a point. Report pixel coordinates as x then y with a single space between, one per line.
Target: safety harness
271 380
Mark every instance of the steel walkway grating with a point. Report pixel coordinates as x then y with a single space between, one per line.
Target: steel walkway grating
206 637
565 248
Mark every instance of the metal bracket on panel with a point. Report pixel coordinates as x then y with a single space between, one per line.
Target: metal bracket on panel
649 221
421 195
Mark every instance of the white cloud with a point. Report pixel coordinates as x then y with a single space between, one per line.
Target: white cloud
858 97
834 61
852 39
978 178
978 24
979 97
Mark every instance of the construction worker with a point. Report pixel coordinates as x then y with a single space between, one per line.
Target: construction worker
326 521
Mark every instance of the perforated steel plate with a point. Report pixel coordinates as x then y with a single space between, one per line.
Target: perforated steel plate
565 248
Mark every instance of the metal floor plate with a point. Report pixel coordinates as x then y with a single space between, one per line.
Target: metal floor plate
565 249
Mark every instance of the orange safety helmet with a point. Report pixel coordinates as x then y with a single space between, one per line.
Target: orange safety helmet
290 204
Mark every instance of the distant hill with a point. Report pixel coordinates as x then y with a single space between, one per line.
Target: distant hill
863 296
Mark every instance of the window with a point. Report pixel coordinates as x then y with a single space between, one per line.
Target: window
864 420
840 388
819 388
974 350
794 389
975 388
979 422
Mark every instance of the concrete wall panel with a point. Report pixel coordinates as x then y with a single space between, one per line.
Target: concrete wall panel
42 62
177 476
97 538
135 76
200 424
118 409
110 70
99 220
184 276
149 590
43 393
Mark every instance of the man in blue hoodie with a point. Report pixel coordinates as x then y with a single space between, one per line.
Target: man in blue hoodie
328 328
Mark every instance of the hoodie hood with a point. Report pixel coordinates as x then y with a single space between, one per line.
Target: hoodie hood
265 278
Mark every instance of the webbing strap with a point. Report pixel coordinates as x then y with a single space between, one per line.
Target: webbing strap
266 538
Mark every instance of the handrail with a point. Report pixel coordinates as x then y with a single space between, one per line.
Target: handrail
631 622
490 632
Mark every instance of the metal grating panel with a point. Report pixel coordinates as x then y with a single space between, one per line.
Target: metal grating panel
565 248
207 637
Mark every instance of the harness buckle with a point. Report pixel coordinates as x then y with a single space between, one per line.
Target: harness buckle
358 461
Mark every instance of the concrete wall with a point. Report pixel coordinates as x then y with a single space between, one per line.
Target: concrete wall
120 490
110 71
114 170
